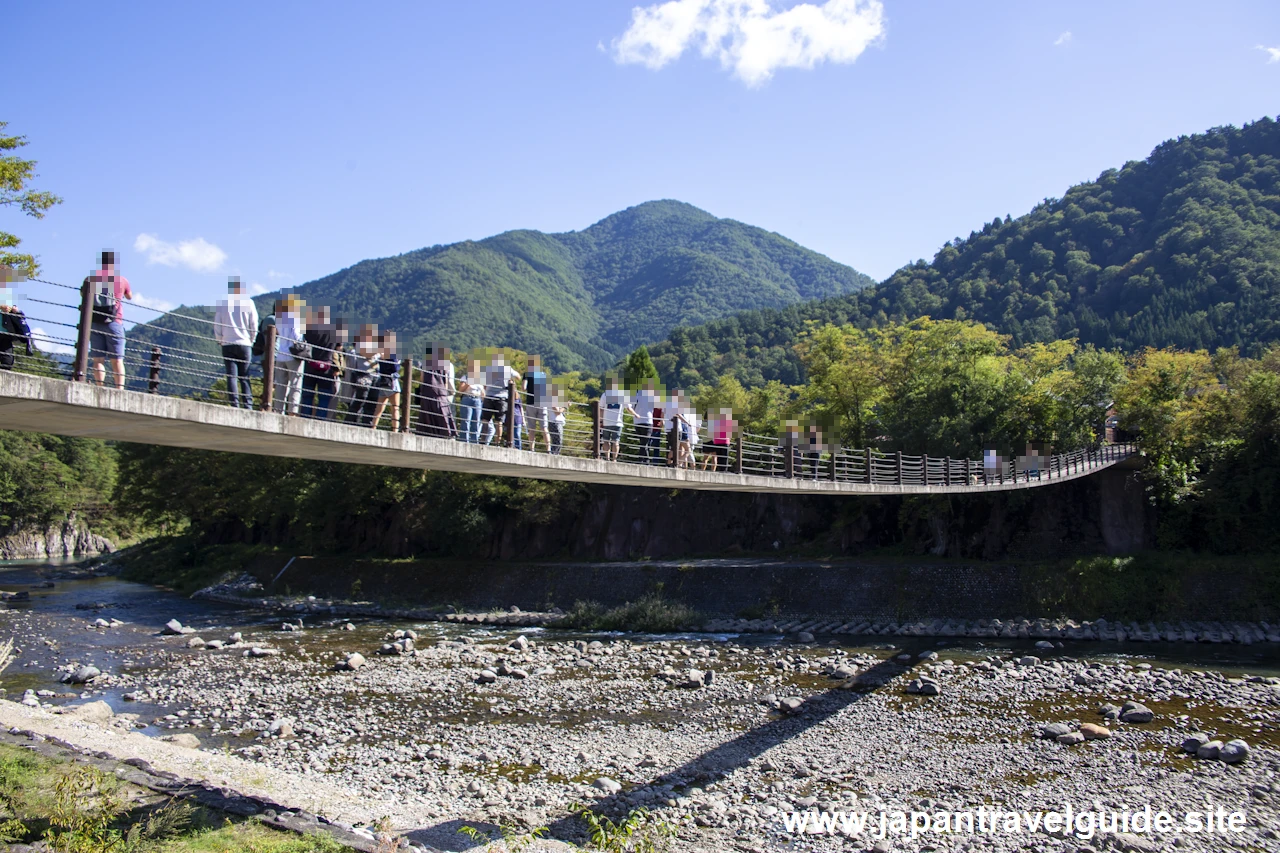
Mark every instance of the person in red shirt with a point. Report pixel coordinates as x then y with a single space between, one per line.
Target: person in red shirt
106 332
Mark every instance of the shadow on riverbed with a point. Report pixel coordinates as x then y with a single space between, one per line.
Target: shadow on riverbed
705 769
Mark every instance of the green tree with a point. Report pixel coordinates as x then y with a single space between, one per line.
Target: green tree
15 176
638 367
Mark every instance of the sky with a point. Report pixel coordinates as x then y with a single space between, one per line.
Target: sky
285 141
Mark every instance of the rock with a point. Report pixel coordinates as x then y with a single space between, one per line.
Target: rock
708 678
101 623
348 627
790 704
1131 843
609 786
261 652
692 679
195 643
1070 738
281 728
1029 660
519 673
804 637
1134 712
930 688
95 711
487 676
184 740
1054 730
1234 751
844 671
84 674
173 627
131 696
214 644
237 637
927 656
1043 644
1093 731
1192 743
29 699
1210 749
520 643
353 661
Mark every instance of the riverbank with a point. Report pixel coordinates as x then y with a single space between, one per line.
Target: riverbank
721 737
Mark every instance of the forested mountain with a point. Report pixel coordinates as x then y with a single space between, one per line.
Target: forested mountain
582 298
1181 249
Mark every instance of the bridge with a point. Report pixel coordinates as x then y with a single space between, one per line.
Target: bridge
176 396
52 405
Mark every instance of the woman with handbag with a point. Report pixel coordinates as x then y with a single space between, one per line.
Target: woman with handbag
318 370
291 350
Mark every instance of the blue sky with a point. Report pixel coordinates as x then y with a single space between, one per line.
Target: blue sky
284 141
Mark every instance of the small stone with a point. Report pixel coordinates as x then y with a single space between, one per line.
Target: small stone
95 711
184 740
1134 712
804 637
354 661
281 728
84 675
487 676
262 652
1070 738
101 623
348 627
791 704
237 637
1093 731
172 627
1043 644
195 643
1054 730
927 655
1234 751
1192 742
609 786
520 643
692 679
1029 660
1210 749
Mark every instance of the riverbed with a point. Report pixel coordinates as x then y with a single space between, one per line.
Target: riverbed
516 727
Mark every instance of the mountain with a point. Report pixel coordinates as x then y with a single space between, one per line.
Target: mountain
1181 249
583 298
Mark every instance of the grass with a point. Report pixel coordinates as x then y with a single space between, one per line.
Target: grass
76 808
651 613
181 563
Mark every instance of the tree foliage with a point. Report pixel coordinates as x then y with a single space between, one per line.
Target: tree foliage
16 175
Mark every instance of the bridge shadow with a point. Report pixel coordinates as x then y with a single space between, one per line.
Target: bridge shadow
708 768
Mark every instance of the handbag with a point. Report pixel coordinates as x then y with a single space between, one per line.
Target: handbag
299 349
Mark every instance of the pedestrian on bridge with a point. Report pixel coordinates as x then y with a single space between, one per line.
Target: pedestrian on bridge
497 377
320 367
612 403
291 350
537 391
386 383
472 387
235 322
435 413
107 288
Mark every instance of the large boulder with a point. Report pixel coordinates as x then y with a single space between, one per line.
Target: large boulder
1234 751
83 675
1135 712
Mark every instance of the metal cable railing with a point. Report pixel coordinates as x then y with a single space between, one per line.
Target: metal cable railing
372 386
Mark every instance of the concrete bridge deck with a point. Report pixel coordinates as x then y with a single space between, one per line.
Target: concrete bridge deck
40 404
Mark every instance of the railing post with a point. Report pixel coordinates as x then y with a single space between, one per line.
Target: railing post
268 367
673 439
510 426
81 373
406 394
737 452
789 460
968 472
595 430
899 475
924 469
1013 466
153 378
867 453
835 456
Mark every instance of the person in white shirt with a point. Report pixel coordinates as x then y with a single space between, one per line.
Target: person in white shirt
612 402
498 377
235 322
290 350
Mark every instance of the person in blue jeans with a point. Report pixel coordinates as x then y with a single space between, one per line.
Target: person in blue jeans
472 387
318 370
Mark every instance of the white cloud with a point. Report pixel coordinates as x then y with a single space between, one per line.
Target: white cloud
147 302
750 37
40 338
1273 53
256 289
1062 39
273 274
198 254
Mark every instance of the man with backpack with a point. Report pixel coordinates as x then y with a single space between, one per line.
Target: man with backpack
235 320
13 330
106 289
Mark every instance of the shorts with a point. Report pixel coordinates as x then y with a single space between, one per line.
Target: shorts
611 433
493 409
536 416
106 340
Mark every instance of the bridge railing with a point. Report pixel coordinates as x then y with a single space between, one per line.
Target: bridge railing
389 399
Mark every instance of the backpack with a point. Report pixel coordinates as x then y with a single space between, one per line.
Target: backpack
260 342
104 299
